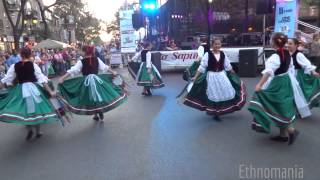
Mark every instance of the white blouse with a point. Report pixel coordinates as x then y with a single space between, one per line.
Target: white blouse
305 63
148 60
204 63
200 51
272 64
77 68
11 75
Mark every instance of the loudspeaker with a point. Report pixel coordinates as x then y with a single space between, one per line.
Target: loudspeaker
265 6
137 21
248 63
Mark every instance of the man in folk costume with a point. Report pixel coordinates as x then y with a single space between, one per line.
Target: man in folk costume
306 74
202 49
91 94
216 89
27 102
278 95
148 75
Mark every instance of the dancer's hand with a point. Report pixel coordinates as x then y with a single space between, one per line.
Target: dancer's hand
149 70
315 74
193 79
53 93
258 88
60 81
114 73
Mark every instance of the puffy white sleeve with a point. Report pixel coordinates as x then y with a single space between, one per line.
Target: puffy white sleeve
227 64
102 66
10 76
76 69
148 61
41 78
204 64
200 52
305 63
272 64
136 57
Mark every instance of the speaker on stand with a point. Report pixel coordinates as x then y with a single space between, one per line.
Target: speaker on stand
137 21
248 63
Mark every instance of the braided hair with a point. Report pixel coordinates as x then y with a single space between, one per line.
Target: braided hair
25 53
89 52
280 40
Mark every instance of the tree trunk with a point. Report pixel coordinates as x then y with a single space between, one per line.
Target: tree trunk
16 38
44 21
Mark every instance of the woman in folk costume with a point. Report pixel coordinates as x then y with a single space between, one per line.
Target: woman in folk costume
216 89
91 94
27 102
192 70
278 95
148 76
306 74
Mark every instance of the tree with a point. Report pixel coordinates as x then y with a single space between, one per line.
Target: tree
87 26
43 9
88 29
17 25
114 26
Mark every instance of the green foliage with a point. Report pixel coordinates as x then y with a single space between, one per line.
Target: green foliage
114 26
87 26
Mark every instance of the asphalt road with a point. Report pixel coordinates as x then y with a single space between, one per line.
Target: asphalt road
155 139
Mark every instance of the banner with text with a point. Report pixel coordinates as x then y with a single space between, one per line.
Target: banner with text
128 36
286 17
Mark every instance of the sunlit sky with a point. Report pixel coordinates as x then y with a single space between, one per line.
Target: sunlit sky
102 9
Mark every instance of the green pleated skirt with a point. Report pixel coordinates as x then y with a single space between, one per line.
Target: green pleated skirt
274 105
310 86
191 71
153 81
13 108
77 96
197 98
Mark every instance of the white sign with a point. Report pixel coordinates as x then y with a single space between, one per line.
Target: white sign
185 58
286 17
128 36
115 59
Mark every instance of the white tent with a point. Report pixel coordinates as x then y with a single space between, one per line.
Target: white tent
51 44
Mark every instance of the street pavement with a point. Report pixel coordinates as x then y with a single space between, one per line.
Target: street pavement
155 138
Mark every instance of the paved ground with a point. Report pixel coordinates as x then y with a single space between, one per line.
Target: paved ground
154 139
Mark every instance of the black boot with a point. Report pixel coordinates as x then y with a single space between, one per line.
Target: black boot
279 139
101 116
217 118
95 117
149 93
29 135
293 137
39 134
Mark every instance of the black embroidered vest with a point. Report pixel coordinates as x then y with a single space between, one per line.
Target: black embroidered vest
295 61
144 55
285 64
25 72
90 67
213 64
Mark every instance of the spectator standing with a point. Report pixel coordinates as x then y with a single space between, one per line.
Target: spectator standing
13 59
59 63
314 52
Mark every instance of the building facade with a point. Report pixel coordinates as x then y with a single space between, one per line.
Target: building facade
34 25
